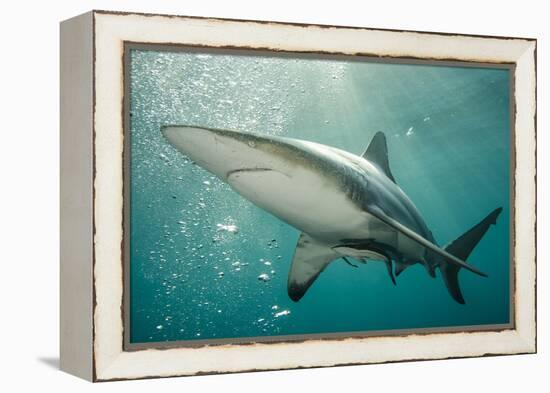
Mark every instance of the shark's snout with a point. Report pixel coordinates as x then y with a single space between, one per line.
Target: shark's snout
185 139
221 152
207 147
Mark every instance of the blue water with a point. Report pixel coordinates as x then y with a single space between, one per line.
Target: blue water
198 248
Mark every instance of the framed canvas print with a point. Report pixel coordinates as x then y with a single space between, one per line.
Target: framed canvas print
245 195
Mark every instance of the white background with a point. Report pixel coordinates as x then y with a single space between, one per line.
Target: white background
29 194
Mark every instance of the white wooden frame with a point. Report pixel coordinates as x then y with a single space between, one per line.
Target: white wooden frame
92 48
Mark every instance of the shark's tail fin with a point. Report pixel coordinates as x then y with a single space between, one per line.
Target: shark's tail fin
462 248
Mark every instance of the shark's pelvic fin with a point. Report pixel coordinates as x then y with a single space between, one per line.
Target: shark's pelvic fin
378 213
399 267
390 270
348 262
310 259
462 248
377 153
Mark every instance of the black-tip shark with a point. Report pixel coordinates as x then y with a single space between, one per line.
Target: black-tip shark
346 206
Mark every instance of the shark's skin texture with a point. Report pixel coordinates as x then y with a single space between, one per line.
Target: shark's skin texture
346 206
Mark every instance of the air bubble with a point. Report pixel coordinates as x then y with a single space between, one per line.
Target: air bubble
264 277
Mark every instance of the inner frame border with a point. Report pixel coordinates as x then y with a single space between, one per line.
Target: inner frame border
128 46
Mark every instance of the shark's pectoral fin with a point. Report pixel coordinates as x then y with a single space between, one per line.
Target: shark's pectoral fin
378 213
310 259
377 153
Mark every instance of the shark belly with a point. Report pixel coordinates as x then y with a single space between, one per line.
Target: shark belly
302 198
309 202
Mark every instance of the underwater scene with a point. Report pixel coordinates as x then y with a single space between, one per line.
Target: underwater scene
207 263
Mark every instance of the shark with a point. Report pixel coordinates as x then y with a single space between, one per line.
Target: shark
347 207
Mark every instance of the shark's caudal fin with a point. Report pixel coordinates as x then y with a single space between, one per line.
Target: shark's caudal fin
462 248
310 259
377 153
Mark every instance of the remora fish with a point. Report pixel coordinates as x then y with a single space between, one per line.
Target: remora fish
345 205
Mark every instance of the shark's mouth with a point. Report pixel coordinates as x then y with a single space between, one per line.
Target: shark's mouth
245 170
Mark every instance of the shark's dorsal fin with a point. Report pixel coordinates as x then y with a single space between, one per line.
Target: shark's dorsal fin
377 153
310 259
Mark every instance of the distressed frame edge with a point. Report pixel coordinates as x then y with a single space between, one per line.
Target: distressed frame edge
526 339
303 24
128 346
525 178
76 196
